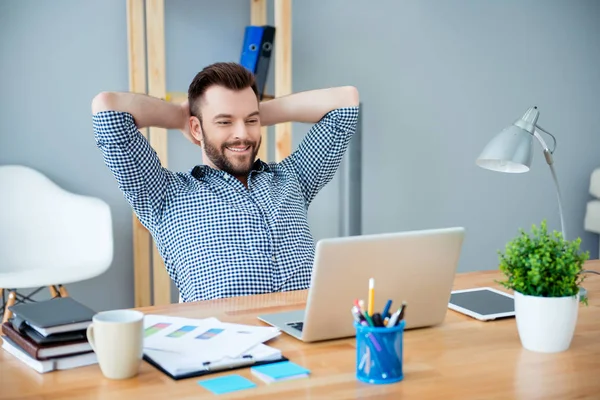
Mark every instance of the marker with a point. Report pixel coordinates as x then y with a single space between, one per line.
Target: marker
401 317
369 320
361 305
393 319
377 320
386 309
358 315
371 296
396 316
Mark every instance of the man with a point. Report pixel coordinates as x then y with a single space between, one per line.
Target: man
236 225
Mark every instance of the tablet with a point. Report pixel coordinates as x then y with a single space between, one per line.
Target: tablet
482 303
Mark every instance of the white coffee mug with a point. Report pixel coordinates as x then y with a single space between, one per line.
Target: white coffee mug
117 338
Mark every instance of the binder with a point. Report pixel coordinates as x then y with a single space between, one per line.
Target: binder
54 316
251 46
189 347
264 59
243 362
256 53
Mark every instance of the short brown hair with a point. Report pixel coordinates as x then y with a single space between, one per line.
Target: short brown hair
227 74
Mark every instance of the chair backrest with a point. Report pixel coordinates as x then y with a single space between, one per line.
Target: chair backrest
43 226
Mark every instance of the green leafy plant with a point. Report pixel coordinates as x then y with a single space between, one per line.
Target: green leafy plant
542 264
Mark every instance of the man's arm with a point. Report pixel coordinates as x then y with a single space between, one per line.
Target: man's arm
334 113
309 106
117 118
146 110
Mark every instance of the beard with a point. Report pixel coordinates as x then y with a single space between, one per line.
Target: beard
227 161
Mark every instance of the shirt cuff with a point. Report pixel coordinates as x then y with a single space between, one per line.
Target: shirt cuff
114 127
344 119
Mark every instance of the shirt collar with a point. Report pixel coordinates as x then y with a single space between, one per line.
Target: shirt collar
201 171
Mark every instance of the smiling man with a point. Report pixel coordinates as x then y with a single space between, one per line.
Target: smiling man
234 225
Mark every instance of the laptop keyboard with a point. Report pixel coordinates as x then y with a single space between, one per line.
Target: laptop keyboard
296 325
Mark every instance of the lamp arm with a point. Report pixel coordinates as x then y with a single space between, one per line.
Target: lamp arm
550 161
549 134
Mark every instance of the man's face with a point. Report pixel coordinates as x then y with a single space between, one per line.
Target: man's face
230 129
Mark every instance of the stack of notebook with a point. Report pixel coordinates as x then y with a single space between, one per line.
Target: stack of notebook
49 335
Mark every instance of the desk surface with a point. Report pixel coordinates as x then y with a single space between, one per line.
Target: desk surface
462 358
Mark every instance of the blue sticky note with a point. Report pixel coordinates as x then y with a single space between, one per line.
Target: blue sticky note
226 384
281 370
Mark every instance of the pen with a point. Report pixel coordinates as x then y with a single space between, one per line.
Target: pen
361 306
386 309
357 305
396 316
366 315
371 296
246 359
357 318
401 316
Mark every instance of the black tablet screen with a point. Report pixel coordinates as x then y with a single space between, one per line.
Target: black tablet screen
483 302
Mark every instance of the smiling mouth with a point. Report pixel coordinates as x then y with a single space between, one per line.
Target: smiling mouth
238 149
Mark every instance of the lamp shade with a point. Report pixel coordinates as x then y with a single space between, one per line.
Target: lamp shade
512 149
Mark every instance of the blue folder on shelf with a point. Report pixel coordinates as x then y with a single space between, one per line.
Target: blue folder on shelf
251 47
256 53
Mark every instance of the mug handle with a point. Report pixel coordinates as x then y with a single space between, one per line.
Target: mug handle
90 336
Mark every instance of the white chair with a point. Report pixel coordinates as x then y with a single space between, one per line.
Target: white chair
591 222
49 237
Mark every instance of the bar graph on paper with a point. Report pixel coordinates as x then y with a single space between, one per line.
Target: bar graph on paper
207 338
181 331
151 330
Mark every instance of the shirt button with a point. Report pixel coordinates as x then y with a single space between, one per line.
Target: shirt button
273 258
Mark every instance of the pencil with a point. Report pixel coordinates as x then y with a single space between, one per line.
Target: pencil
371 304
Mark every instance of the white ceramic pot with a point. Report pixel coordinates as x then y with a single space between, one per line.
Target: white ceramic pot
546 324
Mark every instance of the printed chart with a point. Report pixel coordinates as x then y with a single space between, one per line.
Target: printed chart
207 339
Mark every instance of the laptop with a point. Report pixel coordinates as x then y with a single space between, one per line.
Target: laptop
413 266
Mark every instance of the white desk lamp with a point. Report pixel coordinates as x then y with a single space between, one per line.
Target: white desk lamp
512 151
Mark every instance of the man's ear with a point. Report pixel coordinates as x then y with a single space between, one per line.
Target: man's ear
196 128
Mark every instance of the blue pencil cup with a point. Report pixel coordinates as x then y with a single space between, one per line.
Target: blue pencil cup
379 353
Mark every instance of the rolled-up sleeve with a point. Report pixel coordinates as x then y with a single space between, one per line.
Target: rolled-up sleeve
134 164
321 151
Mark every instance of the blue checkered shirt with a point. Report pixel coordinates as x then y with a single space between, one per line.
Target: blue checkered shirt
218 238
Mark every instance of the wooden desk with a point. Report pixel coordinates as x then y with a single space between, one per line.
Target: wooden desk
462 358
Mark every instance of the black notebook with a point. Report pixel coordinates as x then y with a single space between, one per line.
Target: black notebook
42 340
61 314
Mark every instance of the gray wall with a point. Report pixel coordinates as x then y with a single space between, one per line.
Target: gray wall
437 80
54 57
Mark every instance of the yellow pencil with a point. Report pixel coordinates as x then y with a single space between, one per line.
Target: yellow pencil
371 304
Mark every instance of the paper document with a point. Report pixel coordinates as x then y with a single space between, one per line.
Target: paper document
202 340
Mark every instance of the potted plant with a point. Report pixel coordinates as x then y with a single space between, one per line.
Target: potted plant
545 271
